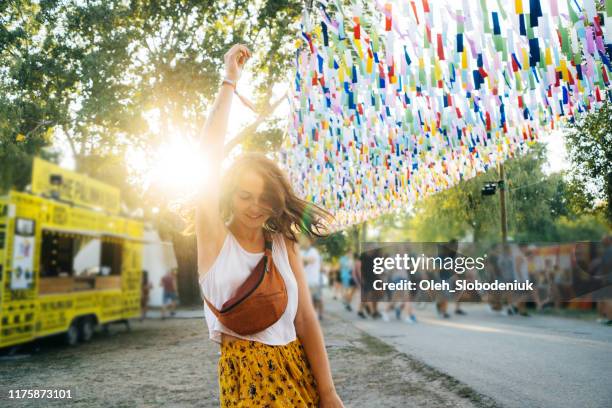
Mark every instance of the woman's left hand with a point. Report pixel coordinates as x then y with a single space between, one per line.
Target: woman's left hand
331 400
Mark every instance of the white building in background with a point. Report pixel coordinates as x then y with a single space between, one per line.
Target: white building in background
157 258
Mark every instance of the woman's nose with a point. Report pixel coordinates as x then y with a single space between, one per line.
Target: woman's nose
256 205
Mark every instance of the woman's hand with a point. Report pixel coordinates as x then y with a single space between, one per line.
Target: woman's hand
235 59
330 400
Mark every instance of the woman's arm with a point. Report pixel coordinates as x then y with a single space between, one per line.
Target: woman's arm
210 230
310 334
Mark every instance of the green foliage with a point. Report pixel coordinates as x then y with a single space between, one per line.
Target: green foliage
89 71
540 207
334 245
589 144
458 211
392 227
530 193
584 227
265 140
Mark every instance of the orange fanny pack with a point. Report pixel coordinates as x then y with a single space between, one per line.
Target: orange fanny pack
258 302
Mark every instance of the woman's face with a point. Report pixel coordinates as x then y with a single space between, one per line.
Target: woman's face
250 205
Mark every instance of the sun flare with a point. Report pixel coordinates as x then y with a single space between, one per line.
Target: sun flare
178 168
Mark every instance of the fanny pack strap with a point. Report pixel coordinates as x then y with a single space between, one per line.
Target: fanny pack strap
267 260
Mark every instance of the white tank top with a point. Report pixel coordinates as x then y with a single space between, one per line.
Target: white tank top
231 268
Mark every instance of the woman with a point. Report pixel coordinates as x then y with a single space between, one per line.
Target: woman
285 365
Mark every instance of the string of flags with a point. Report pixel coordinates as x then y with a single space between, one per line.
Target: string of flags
396 100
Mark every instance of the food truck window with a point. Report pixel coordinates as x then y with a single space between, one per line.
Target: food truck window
87 252
57 252
111 257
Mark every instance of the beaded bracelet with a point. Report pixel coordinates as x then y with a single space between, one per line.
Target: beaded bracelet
244 100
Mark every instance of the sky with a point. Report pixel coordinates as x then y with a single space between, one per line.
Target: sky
557 154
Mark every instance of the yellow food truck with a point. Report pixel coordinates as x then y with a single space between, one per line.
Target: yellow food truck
68 260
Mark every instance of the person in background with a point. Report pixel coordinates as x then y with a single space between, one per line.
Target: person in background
396 301
444 275
521 297
348 282
314 277
602 267
170 297
545 285
326 272
334 278
145 291
367 279
562 284
507 269
358 285
492 272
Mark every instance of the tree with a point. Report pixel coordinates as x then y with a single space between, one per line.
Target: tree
530 194
88 72
335 245
589 145
540 207
27 109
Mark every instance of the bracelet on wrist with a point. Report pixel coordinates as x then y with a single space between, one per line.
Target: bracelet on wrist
229 82
244 100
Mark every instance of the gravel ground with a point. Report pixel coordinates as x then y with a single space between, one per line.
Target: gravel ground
172 363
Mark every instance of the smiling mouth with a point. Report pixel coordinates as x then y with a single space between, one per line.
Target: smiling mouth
254 217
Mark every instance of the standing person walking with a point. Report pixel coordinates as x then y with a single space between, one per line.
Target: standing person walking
314 276
358 285
170 296
397 301
251 216
334 278
348 282
445 251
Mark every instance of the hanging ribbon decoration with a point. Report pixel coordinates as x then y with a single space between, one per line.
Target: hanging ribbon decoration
388 111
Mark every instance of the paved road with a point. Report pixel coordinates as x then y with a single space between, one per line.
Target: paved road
540 361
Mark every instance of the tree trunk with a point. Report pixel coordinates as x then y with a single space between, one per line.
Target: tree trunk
185 250
609 198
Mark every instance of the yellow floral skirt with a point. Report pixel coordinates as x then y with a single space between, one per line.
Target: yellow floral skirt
254 374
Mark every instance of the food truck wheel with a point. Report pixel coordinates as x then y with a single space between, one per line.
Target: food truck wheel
86 329
71 337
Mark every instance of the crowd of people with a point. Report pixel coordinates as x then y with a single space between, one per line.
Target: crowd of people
343 276
584 277
556 286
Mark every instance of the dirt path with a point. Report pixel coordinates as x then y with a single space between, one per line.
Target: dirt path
173 364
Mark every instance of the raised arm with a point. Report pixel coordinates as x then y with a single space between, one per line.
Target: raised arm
210 230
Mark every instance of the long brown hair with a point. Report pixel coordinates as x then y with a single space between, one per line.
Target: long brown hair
290 214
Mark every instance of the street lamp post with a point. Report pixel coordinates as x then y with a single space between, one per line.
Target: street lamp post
489 189
502 203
